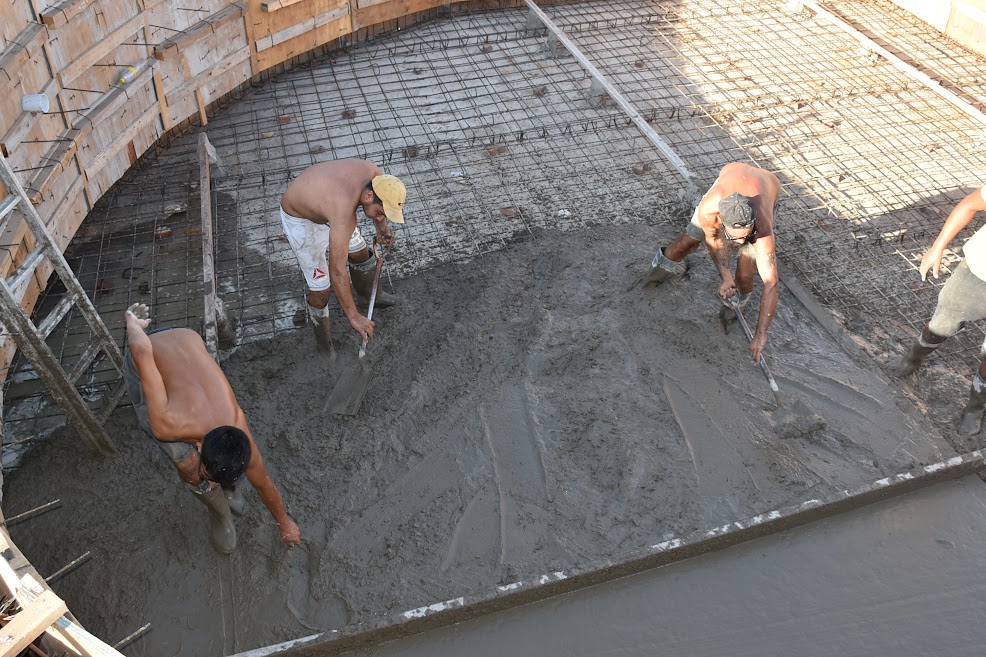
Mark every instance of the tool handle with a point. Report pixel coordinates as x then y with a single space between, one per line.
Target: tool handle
749 336
373 294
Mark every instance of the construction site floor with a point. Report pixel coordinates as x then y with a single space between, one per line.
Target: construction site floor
533 413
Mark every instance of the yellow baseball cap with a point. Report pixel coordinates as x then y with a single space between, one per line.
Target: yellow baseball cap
392 192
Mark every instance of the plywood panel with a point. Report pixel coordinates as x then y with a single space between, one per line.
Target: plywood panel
379 12
269 29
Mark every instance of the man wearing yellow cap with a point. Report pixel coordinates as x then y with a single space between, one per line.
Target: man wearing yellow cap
318 213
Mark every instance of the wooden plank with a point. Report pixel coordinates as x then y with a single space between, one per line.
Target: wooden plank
304 27
61 13
277 4
162 100
67 631
24 122
31 622
103 47
18 51
56 161
215 72
203 117
386 11
207 26
207 154
96 164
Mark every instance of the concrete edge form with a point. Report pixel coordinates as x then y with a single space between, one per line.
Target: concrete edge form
449 612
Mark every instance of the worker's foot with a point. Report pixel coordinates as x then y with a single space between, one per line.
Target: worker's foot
235 499
972 414
222 532
661 269
910 362
362 273
322 325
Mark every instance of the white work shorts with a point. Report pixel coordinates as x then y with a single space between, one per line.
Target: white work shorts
310 243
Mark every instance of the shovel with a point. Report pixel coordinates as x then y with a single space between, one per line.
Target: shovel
348 393
789 421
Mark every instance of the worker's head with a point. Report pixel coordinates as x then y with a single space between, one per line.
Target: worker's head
225 455
737 218
384 197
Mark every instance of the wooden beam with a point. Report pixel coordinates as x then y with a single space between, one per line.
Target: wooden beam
170 47
162 100
18 51
217 71
207 155
304 27
24 122
102 47
31 622
278 4
61 13
203 116
96 164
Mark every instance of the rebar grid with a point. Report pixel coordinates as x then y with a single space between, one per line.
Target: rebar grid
494 136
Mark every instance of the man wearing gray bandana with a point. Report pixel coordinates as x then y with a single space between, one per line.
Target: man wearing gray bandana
736 216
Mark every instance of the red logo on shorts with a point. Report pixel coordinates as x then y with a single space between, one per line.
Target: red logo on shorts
317 274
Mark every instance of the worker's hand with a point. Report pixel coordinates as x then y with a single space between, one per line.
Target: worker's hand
138 313
931 260
757 346
727 289
385 234
290 533
363 326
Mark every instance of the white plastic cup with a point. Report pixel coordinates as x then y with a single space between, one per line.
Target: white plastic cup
35 103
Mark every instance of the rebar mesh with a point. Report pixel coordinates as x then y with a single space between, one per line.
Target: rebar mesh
493 133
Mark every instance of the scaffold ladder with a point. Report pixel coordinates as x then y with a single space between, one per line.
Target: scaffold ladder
30 338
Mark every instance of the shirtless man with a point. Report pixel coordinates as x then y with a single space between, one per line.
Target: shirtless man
736 215
184 402
318 212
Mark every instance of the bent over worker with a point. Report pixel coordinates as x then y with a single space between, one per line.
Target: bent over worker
185 404
962 299
318 214
736 216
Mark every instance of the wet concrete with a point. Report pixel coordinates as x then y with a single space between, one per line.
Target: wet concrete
531 411
906 577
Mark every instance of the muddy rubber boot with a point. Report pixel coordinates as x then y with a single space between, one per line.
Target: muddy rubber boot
361 274
323 329
911 361
222 532
235 499
661 269
972 414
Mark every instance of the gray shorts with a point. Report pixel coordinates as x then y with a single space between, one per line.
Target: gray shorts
177 451
962 299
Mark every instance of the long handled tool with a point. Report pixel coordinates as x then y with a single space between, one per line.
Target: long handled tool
346 397
788 421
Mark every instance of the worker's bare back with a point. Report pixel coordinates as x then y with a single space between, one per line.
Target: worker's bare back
329 192
195 385
738 178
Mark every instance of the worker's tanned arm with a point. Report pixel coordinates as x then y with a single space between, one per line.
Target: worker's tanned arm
164 426
339 275
257 475
767 268
958 219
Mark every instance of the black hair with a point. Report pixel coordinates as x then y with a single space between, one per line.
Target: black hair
225 454
376 199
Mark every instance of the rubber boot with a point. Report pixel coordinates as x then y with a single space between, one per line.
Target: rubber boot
222 532
361 274
235 499
323 329
911 361
726 314
661 269
972 414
